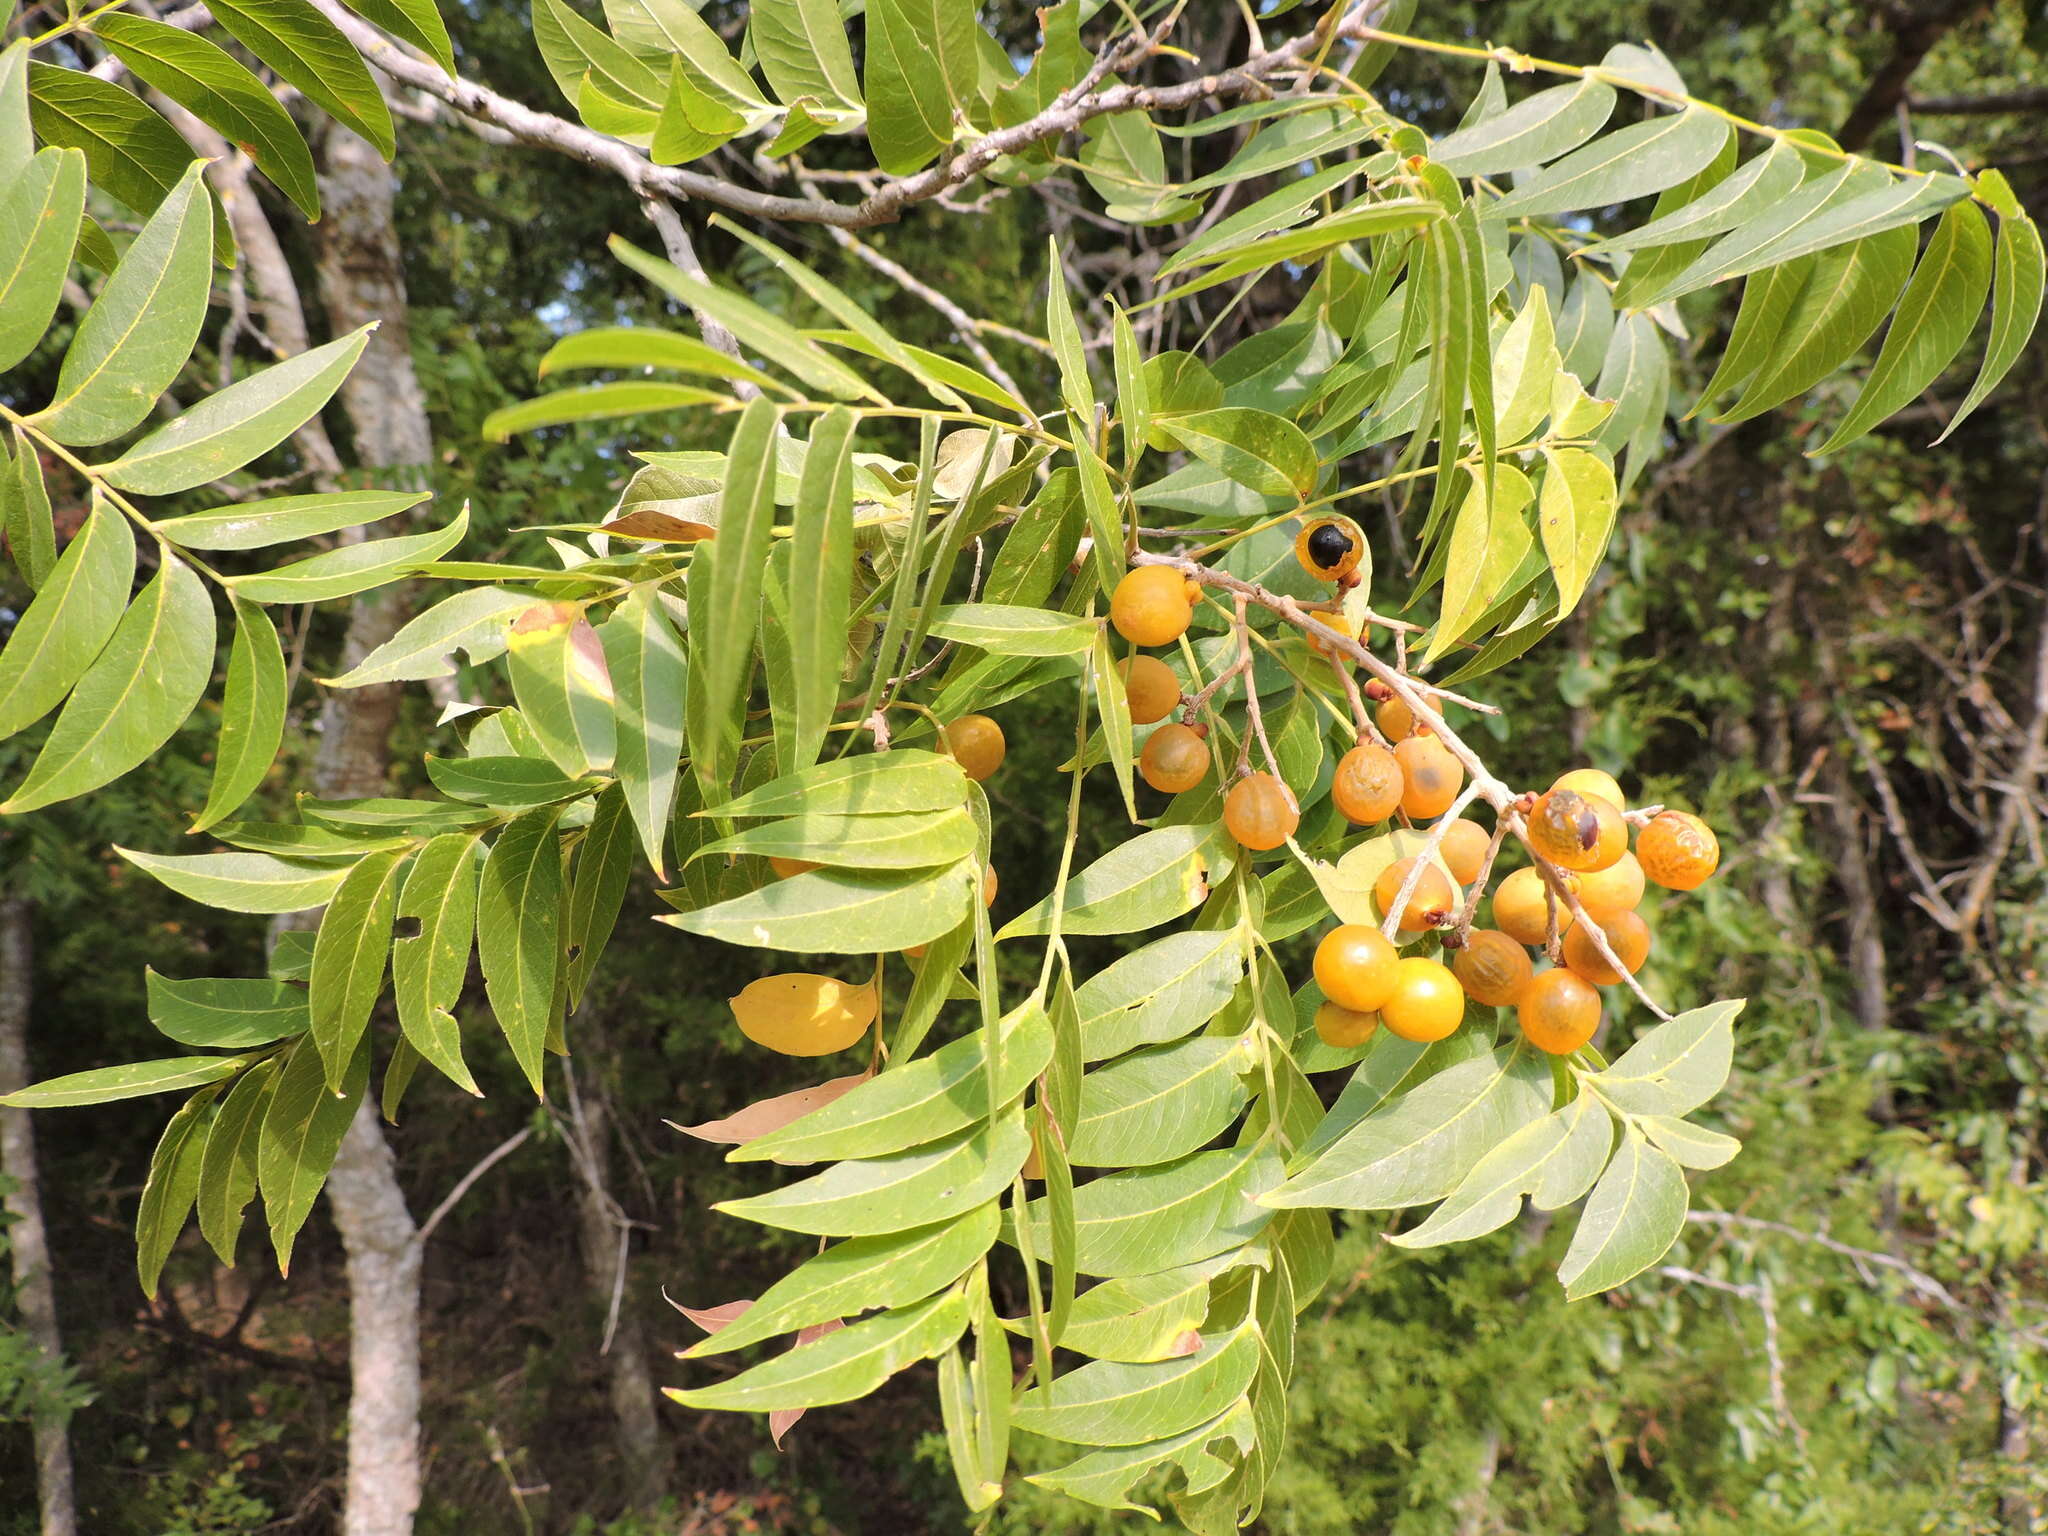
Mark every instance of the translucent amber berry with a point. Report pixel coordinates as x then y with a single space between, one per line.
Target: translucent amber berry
1617 888
1464 849
1344 1028
1678 851
1367 785
1627 935
784 868
1396 720
1592 781
1260 812
1175 758
989 886
1330 548
1150 688
1431 904
1150 606
1521 908
1426 1004
1558 1012
1355 967
1431 777
800 1014
1492 968
1337 622
1576 831
977 745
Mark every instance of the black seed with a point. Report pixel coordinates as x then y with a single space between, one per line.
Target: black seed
1328 545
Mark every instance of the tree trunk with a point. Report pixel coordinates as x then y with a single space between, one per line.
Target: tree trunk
35 1289
601 1229
361 279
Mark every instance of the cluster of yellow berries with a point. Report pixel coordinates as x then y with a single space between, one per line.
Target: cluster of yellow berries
1579 830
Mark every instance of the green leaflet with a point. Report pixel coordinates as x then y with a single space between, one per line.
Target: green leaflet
219 90
604 867
859 1275
1014 631
131 1080
228 429
821 574
1164 990
842 911
348 958
301 1132
564 688
140 329
1675 1067
251 715
1555 1160
1105 1477
225 1013
256 524
2016 294
1758 184
241 882
227 1169
1264 452
594 402
917 1102
414 20
39 216
428 966
898 1191
173 1182
1152 879
309 51
921 64
643 347
1629 163
841 1366
913 840
1634 1216
133 697
1144 1317
1533 131
1113 1402
1489 538
725 594
71 619
503 783
518 930
1145 1219
477 620
1157 1105
350 569
1575 514
1419 1146
1934 319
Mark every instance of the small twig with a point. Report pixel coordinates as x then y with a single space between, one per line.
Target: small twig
504 1149
1391 922
1478 887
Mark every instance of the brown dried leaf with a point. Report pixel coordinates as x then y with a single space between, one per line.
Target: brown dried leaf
782 1420
711 1319
767 1115
646 523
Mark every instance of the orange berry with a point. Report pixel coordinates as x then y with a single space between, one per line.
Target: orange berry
1433 901
1396 720
1330 548
1367 785
1427 1002
1345 1028
1333 622
1617 888
1678 851
1575 831
1464 849
1150 688
977 745
1521 908
1431 777
989 886
1260 812
1150 606
1627 935
1355 967
1175 758
1492 968
1592 781
1558 1012
784 868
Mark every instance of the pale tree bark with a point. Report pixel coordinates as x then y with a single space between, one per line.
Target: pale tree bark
603 1228
361 279
34 1285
